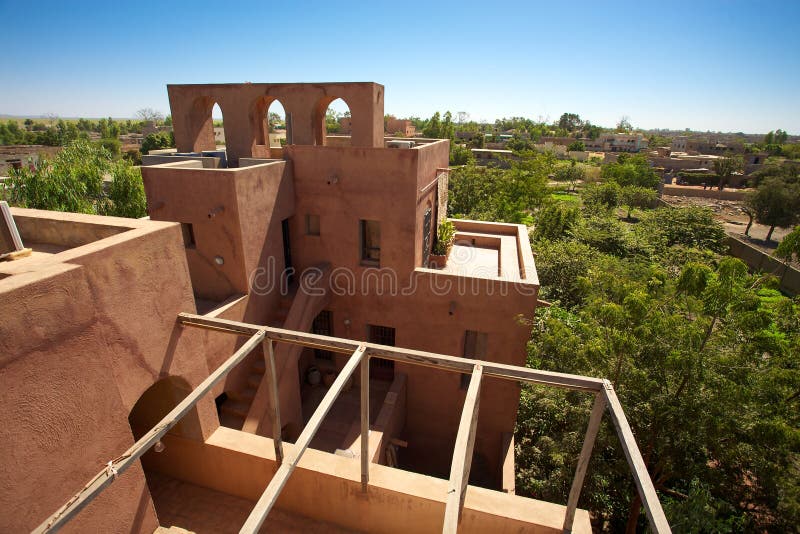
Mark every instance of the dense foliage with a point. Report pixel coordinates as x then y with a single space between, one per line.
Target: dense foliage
489 193
703 356
157 140
60 132
74 180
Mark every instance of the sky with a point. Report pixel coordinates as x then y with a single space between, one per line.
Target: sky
704 65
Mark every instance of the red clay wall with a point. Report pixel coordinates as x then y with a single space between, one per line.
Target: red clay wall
85 333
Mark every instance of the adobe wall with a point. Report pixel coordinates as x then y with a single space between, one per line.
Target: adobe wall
762 262
422 320
86 332
345 185
246 206
244 108
711 192
235 214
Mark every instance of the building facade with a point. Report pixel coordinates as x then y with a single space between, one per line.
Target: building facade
329 240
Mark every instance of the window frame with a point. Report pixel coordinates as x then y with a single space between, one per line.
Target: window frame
365 252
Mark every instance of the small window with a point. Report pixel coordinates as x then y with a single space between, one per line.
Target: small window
312 224
323 326
188 235
381 368
475 348
370 242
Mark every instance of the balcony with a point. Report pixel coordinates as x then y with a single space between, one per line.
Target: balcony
488 250
355 494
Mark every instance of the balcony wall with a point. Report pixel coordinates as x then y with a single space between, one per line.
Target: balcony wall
327 487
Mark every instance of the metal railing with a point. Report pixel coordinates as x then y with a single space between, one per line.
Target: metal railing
361 352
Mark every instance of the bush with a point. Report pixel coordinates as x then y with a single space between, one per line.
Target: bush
692 178
691 227
73 181
601 197
445 236
555 221
155 141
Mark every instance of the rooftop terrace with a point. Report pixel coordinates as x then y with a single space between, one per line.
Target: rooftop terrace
357 494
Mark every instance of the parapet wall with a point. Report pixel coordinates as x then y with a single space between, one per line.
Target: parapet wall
761 261
327 487
244 107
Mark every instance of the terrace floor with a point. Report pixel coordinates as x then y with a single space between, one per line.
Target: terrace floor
205 511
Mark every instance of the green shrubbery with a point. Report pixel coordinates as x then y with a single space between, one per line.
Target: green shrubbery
74 180
703 355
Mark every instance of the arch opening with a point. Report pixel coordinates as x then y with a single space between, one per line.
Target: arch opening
218 122
156 402
333 118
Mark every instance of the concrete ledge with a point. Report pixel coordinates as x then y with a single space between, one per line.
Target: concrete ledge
763 262
327 487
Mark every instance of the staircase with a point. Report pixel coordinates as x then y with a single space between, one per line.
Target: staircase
234 410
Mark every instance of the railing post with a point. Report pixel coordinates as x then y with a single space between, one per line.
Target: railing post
278 481
644 485
583 462
462 453
272 381
365 460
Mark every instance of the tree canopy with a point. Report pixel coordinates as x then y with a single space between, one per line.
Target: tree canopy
73 181
703 355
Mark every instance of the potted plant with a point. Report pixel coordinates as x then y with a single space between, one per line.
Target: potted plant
445 236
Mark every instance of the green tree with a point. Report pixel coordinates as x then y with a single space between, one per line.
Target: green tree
633 196
570 122
555 221
433 128
690 227
571 173
708 408
789 247
157 140
775 203
126 197
460 155
577 146
601 197
73 181
332 124
493 194
630 170
726 167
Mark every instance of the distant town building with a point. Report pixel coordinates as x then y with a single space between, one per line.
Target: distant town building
402 126
617 142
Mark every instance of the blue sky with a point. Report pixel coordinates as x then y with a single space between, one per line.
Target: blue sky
705 65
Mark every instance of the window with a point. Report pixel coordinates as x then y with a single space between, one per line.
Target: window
475 348
323 326
370 242
380 368
188 235
383 335
312 224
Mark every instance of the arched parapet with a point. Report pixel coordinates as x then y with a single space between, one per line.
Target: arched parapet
244 107
192 123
